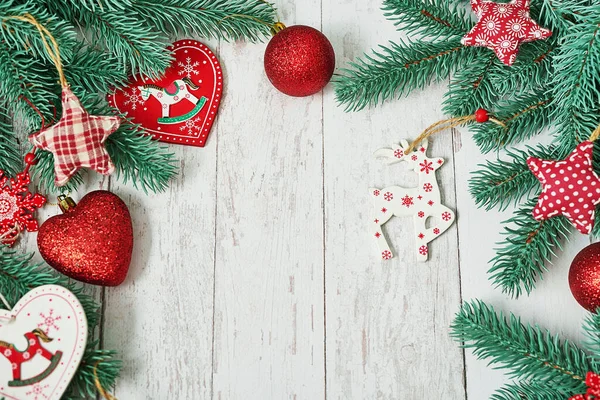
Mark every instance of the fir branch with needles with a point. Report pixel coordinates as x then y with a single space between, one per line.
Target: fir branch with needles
541 365
433 18
527 247
524 117
501 183
397 69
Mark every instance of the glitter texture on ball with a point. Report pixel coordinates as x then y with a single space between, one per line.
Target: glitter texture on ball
584 277
299 61
92 242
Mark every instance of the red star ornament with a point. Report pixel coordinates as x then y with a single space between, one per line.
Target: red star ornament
570 187
77 140
501 27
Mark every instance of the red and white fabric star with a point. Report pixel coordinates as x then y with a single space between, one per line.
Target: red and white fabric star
77 140
592 380
502 27
570 187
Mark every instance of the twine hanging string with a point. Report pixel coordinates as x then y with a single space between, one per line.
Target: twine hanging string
101 390
10 236
448 124
49 43
595 135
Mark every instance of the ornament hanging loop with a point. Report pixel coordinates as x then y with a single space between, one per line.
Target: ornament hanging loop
49 43
480 116
98 385
594 136
65 203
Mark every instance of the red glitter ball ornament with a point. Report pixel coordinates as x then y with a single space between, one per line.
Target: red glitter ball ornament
299 60
92 241
584 277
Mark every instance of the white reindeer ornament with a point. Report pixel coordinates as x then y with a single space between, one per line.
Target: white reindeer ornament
421 202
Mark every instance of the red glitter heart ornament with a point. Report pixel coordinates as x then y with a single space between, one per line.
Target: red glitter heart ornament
92 241
181 106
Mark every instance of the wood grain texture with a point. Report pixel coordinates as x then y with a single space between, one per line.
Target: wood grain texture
387 322
269 254
255 277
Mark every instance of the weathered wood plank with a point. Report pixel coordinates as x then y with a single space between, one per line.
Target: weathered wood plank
387 322
161 317
269 255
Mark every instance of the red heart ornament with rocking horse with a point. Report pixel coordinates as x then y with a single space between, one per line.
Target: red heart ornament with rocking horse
42 341
181 106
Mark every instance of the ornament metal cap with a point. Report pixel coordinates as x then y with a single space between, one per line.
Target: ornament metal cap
277 27
66 203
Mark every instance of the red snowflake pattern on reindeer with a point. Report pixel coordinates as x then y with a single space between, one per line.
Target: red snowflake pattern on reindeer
402 199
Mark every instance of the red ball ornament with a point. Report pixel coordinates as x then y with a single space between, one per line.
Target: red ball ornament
584 277
482 115
299 60
92 241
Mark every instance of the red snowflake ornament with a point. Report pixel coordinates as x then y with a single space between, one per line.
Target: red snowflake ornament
502 27
17 205
570 187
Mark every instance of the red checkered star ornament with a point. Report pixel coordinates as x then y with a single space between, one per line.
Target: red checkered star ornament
502 27
77 140
570 187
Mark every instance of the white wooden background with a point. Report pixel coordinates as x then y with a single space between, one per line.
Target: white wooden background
254 277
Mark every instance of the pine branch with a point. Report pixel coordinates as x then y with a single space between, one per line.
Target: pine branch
139 49
524 116
530 72
398 69
531 391
18 276
107 369
528 245
528 352
140 159
501 183
94 71
591 328
471 87
432 18
223 19
575 84
23 36
10 157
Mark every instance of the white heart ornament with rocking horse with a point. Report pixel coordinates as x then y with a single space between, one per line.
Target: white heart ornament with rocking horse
181 106
42 342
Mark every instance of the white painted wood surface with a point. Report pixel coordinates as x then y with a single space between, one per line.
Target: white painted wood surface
254 276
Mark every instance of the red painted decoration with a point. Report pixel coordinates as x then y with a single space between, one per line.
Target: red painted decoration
92 242
299 61
592 380
17 205
482 115
181 106
570 187
584 277
502 27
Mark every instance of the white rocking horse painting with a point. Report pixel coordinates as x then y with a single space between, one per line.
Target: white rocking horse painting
421 202
177 91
